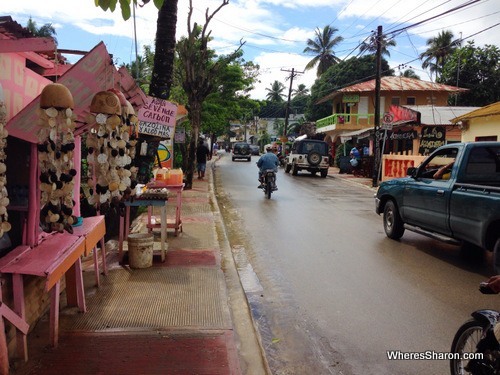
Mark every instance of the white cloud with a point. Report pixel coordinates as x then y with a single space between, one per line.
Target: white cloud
277 67
269 27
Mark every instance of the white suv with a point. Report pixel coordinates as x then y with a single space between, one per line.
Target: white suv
308 154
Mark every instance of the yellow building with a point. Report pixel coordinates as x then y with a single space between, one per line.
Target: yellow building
354 106
483 124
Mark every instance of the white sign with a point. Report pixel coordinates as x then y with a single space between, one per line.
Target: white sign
153 128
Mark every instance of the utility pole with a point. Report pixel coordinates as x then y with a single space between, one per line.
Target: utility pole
284 139
376 127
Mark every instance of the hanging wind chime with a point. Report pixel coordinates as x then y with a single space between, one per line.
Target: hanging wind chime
56 143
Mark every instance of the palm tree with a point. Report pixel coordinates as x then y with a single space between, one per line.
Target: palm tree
322 49
409 73
275 93
370 44
301 90
45 31
440 48
163 68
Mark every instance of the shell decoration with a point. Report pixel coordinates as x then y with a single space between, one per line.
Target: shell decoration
4 196
110 150
56 143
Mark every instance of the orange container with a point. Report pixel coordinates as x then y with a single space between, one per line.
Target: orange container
163 174
176 177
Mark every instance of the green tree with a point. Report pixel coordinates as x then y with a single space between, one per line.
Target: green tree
275 93
125 5
439 48
476 69
409 73
346 73
44 31
201 69
141 68
301 90
370 45
322 48
230 100
279 126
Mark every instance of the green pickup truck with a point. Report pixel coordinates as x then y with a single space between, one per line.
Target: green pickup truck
453 196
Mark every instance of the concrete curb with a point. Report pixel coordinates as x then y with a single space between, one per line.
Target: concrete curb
251 351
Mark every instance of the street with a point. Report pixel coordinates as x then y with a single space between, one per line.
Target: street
329 292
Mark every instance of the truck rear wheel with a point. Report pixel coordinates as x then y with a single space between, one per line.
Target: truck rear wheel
393 224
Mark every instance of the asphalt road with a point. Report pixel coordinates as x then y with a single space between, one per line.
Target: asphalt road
329 292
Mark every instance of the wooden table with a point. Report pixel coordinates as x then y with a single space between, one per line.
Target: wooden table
93 230
125 223
58 255
177 222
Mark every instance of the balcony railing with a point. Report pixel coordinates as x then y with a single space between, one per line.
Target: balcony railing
353 119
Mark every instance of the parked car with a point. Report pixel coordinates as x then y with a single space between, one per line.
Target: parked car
453 196
241 150
255 150
308 154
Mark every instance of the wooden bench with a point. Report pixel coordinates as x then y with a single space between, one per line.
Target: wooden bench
58 255
93 230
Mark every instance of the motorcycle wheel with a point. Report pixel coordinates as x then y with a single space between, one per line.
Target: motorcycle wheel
269 189
465 341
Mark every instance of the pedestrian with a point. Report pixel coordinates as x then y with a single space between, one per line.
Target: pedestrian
202 153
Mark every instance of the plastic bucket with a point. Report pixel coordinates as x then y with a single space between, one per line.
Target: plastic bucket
140 250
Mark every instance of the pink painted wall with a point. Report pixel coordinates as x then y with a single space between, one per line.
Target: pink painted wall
20 85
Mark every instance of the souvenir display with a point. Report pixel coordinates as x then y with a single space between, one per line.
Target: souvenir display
4 198
110 149
56 143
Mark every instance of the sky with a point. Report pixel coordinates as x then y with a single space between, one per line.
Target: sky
274 31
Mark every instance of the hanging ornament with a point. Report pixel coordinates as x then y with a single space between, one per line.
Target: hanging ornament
4 200
55 158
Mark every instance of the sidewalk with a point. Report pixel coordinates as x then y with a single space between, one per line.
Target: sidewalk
188 315
333 172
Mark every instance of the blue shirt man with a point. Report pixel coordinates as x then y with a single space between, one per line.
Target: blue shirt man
267 161
355 153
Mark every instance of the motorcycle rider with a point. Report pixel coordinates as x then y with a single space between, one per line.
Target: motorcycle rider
267 161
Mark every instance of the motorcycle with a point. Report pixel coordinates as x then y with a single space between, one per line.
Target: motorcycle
268 179
475 346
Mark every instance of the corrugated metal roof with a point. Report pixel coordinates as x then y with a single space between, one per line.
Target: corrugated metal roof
395 84
434 115
401 84
489 110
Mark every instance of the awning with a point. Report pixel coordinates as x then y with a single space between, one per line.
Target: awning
359 134
92 73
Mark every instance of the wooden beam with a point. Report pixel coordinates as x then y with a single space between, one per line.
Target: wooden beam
27 45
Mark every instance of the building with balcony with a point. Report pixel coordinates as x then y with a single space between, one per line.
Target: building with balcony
415 117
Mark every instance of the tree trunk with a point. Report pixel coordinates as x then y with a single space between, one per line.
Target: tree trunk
195 120
162 77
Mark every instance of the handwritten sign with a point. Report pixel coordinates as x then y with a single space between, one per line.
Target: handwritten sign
153 128
157 117
432 137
